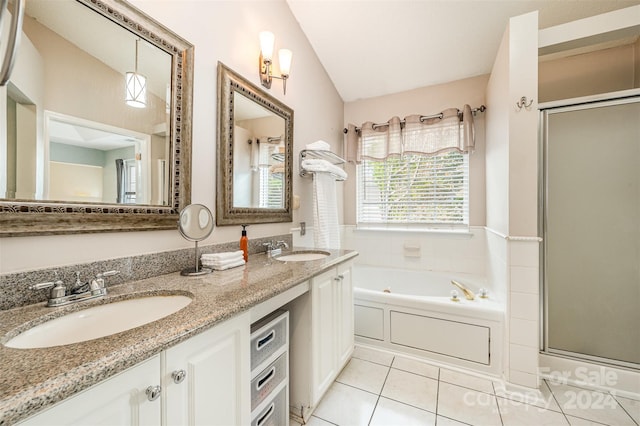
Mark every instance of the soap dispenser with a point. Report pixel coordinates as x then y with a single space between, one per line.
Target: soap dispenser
244 243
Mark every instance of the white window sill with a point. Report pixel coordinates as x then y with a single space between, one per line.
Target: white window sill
463 232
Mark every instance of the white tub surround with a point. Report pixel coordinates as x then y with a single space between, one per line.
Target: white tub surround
412 312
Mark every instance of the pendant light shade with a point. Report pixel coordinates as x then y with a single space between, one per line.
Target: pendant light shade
136 86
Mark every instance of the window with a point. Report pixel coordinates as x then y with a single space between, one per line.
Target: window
130 181
271 177
425 191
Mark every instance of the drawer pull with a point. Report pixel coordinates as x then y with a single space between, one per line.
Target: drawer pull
268 414
265 340
267 377
153 392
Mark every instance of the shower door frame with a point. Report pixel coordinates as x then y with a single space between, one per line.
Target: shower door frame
566 105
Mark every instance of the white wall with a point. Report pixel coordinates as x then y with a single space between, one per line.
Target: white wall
224 31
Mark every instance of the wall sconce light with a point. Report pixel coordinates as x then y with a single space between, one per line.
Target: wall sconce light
136 86
267 40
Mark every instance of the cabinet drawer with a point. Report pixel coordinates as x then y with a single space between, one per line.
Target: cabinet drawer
268 380
275 413
267 336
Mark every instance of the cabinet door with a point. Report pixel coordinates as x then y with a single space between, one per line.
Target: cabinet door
214 367
120 400
323 333
344 323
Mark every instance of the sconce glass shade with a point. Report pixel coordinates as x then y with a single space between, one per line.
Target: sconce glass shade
267 40
285 56
136 90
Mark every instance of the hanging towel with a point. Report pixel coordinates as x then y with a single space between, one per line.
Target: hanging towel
319 146
326 231
318 165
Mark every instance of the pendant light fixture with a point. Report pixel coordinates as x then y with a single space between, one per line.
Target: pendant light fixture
136 86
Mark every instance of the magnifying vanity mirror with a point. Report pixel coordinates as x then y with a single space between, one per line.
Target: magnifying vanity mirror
86 150
255 144
195 224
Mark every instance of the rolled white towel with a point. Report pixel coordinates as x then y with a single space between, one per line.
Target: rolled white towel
319 146
223 256
316 165
230 265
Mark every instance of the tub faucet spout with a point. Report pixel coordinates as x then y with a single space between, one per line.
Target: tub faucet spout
468 294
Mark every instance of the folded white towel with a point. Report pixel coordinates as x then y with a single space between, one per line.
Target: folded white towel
317 165
319 146
225 262
223 256
227 266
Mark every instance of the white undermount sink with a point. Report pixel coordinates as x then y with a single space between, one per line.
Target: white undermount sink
98 321
303 256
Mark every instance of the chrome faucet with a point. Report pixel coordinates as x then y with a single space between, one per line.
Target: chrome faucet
274 248
80 291
468 294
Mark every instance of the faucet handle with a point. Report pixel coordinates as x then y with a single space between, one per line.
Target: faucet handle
57 288
107 274
282 244
40 286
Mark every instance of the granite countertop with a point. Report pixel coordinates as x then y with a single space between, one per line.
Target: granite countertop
32 379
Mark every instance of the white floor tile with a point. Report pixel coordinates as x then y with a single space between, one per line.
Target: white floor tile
541 397
364 375
467 405
315 421
631 406
466 380
444 421
345 405
577 421
392 413
515 413
591 405
373 355
411 389
417 367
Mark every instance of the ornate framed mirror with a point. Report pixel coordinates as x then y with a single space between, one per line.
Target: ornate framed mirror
98 120
255 153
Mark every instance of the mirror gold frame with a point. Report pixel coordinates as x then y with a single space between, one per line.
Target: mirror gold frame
23 218
230 83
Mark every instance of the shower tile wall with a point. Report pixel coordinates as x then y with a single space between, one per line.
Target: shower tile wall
523 312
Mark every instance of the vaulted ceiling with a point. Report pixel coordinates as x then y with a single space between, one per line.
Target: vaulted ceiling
376 47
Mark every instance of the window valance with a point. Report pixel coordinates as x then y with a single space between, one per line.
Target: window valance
449 130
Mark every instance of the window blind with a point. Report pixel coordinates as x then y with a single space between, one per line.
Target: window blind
271 193
421 190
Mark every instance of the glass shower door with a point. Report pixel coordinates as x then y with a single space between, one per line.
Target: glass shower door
592 231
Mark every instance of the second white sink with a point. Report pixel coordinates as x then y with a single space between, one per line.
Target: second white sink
303 256
99 321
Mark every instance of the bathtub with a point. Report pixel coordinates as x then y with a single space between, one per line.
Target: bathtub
412 312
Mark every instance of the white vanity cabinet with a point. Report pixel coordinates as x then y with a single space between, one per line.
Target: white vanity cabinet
203 380
317 358
119 400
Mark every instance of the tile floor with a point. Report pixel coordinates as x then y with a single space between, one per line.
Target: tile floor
378 388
